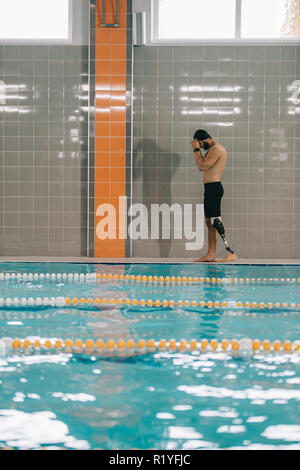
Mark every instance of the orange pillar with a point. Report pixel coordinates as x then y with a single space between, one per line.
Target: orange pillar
110 130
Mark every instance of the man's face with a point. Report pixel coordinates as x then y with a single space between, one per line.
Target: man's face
204 144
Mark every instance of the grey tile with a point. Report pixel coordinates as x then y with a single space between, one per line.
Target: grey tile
285 251
150 53
11 158
182 69
288 52
195 52
241 52
255 190
41 53
257 52
270 236
166 53
211 68
68 68
165 68
272 53
40 234
256 206
41 67
240 175
11 52
257 68
10 219
10 234
272 114
26 68
55 203
56 53
10 204
226 69
70 235
40 189
272 83
165 128
210 53
10 173
226 53
26 204
270 190
10 68
70 52
25 173
41 83
26 235
181 53
241 68
272 69
288 68
26 219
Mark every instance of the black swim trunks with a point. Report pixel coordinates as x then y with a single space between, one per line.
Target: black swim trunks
213 193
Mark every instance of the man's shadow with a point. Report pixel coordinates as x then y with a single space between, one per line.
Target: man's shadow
155 168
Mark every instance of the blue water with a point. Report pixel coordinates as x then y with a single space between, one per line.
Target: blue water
162 400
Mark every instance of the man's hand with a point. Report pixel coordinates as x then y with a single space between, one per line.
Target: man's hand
198 156
195 144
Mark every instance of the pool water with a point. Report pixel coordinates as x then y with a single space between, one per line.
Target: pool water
161 400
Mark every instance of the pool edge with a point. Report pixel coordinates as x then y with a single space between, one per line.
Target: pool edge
88 260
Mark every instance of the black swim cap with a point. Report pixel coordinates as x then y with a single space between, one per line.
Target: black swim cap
201 134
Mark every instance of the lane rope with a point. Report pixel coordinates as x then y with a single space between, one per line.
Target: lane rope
157 303
168 280
130 345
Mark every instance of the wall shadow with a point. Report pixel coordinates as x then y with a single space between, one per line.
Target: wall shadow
155 168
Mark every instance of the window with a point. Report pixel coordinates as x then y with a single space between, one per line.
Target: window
193 19
269 18
30 20
238 20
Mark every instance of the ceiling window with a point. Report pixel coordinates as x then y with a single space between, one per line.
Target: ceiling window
31 20
237 20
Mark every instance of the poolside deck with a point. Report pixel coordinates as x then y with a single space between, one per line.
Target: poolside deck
45 259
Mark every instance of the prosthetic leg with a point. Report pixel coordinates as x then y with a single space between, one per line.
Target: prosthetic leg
217 223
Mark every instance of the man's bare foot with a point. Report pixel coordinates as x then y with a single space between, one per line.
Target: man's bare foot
228 258
205 259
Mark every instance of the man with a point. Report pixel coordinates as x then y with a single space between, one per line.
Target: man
212 165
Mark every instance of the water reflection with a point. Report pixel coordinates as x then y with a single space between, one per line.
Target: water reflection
31 430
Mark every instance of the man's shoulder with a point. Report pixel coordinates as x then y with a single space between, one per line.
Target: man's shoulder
220 149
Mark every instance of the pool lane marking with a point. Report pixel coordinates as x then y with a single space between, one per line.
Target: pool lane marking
91 346
89 301
168 280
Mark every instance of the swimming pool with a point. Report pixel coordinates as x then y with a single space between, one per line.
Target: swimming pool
201 395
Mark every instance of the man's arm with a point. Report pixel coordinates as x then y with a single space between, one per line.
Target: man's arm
197 154
212 156
205 163
210 159
199 160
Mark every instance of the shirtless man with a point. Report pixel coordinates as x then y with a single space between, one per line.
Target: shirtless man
212 165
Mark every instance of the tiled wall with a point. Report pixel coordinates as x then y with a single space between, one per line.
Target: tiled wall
43 150
242 96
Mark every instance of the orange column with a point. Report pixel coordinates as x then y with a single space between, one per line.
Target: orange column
110 131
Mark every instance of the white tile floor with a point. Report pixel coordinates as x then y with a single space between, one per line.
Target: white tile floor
38 259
